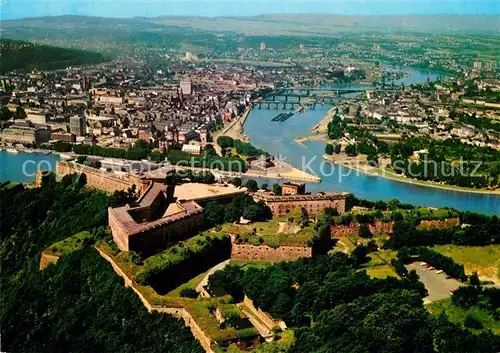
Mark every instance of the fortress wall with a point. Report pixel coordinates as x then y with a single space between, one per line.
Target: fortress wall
266 253
47 259
196 330
378 227
313 207
162 236
438 224
261 315
99 179
381 227
341 230
120 236
179 313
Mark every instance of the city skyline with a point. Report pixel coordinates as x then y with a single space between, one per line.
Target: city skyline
10 9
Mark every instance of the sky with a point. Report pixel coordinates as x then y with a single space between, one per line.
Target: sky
15 9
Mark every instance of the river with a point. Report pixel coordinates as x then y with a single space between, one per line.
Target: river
21 167
278 139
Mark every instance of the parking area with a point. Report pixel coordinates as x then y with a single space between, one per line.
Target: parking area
436 284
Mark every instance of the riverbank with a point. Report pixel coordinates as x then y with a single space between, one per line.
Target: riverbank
281 171
301 140
36 151
389 174
235 127
322 126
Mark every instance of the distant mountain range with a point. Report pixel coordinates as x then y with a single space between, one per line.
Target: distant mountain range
290 24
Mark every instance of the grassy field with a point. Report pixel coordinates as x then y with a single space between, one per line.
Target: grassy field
381 271
270 227
267 233
485 260
386 255
457 315
244 264
192 283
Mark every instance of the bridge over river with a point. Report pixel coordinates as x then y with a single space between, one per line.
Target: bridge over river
309 96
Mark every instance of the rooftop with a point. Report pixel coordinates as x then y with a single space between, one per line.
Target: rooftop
204 192
320 196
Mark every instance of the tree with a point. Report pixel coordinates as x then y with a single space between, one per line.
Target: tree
359 254
225 141
20 114
337 148
232 213
189 293
264 186
350 150
364 231
393 204
474 280
214 213
5 113
236 182
277 189
472 322
81 159
251 185
204 177
372 159
329 149
256 212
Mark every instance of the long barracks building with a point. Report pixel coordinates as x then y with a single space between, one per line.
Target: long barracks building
313 204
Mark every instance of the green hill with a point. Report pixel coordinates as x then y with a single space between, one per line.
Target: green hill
18 55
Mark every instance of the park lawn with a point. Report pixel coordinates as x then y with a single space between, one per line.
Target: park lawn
485 260
386 255
344 242
267 233
276 240
457 314
246 264
236 154
270 227
381 271
192 283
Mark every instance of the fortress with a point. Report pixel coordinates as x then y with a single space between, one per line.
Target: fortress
313 204
166 213
156 220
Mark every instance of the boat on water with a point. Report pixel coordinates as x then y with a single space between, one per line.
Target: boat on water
12 150
65 156
44 152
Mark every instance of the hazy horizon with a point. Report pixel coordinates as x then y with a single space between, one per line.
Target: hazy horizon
19 9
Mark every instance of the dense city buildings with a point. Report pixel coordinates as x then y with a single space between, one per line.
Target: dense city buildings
176 142
78 125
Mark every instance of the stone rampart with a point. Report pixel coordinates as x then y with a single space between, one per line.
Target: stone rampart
47 259
180 313
439 224
102 180
264 317
352 229
267 253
